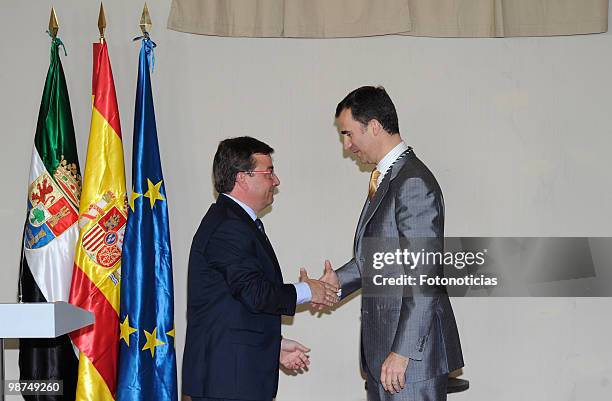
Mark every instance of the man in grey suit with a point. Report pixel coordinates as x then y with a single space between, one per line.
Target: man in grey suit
409 337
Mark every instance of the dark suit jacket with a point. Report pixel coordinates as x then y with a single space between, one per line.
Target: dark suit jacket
235 299
407 213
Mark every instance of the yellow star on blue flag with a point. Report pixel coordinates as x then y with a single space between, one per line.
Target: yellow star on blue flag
134 195
153 193
152 341
126 330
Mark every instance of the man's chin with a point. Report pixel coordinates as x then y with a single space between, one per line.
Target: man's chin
360 157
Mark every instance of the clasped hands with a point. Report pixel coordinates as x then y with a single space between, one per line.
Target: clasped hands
324 290
293 355
324 293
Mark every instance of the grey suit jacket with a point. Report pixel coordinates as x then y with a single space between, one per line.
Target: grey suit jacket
407 213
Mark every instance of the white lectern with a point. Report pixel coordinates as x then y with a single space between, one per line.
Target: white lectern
39 320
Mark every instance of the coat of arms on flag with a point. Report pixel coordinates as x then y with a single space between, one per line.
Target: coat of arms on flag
104 240
52 205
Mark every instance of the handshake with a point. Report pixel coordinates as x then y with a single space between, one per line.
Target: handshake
326 290
325 293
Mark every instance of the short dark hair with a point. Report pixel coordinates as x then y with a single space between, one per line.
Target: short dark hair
371 102
233 156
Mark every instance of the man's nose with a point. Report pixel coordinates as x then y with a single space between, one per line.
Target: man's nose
346 140
275 180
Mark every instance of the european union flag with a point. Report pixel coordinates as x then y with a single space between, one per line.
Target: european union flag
147 359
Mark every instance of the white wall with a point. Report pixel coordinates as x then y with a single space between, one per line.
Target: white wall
516 130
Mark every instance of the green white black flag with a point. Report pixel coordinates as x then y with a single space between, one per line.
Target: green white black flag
51 230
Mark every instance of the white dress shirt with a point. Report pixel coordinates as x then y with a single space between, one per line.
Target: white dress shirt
390 158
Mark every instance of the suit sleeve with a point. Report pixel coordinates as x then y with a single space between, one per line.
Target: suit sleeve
419 214
233 253
350 278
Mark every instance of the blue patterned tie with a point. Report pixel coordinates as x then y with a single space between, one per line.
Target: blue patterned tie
260 226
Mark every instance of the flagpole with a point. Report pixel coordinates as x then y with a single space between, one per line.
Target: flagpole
96 283
50 223
101 22
53 29
145 20
147 296
53 24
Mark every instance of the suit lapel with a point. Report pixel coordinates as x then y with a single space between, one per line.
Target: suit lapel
261 237
383 188
364 209
373 204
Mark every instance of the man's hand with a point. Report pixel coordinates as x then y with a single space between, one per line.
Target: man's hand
322 293
329 275
293 355
393 373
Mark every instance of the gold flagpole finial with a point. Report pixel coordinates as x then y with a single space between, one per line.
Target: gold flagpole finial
53 24
101 22
145 20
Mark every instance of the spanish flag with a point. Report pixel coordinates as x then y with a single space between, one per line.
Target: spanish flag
102 218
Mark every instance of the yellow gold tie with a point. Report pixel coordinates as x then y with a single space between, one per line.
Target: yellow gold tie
373 183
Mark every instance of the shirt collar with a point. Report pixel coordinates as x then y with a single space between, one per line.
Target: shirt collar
243 205
390 158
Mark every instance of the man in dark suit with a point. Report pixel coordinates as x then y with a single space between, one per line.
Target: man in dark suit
236 294
409 336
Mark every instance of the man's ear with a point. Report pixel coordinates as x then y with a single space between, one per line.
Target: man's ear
376 126
241 181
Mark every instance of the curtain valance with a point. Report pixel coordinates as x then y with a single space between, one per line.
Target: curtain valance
354 18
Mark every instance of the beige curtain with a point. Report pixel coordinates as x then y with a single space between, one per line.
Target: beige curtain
499 18
290 18
345 18
354 18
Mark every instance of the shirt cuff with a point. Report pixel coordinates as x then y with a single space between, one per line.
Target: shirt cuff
303 293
